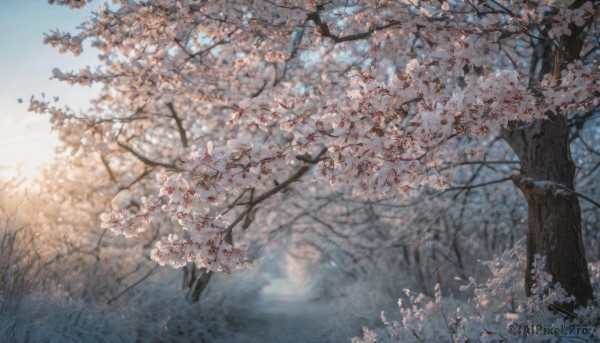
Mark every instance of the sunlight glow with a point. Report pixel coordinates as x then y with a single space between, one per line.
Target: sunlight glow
26 142
24 154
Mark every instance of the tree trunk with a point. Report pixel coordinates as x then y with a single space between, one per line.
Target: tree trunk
197 284
554 224
554 216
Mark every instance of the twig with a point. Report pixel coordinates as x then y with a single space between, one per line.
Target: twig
133 285
478 185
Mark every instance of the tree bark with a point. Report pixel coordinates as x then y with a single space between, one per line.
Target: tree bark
554 217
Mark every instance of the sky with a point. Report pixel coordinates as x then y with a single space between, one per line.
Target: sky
25 69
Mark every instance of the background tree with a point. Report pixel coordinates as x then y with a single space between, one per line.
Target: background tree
371 98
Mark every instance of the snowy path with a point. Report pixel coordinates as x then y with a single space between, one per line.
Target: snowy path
282 314
288 321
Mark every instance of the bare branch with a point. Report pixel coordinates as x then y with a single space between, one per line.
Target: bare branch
182 133
133 285
478 185
315 17
107 167
146 160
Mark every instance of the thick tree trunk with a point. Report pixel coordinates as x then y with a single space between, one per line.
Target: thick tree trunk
554 214
547 177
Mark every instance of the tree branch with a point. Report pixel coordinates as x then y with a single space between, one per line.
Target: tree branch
278 188
182 133
146 160
547 188
107 167
477 185
315 17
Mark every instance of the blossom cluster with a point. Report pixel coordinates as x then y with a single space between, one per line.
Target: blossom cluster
381 89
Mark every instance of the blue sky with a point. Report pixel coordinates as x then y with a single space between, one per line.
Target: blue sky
25 68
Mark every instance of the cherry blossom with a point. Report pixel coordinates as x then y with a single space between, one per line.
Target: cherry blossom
229 103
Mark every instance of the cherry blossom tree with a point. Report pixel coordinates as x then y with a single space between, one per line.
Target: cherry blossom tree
228 104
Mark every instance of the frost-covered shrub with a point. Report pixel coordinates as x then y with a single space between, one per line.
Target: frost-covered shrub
19 265
60 281
155 311
496 311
